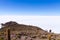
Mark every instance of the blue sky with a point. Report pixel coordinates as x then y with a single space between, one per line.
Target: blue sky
30 7
42 13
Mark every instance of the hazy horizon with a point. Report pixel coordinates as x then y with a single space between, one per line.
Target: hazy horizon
41 13
44 22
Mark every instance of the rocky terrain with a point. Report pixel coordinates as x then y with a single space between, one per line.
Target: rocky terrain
14 31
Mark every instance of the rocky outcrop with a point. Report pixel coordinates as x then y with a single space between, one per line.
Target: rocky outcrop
22 32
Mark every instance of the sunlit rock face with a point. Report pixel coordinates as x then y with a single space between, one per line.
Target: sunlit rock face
21 32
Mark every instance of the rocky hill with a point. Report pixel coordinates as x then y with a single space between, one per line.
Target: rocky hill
23 30
28 29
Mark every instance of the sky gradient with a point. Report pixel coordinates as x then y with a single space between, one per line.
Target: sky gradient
30 7
42 13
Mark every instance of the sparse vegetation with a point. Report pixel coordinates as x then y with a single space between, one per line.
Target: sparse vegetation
18 30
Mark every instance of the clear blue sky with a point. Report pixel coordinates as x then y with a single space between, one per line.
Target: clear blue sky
30 7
